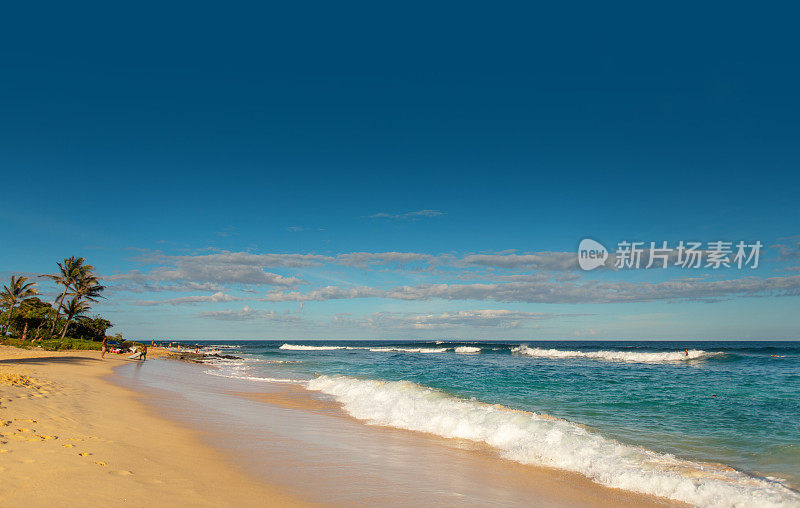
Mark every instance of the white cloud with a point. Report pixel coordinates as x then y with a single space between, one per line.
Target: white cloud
498 318
214 271
364 259
246 314
538 261
408 215
563 292
221 268
789 249
323 294
218 297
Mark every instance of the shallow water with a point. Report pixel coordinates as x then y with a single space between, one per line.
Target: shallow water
734 403
294 439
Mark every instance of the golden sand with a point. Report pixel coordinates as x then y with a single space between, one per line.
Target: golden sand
69 438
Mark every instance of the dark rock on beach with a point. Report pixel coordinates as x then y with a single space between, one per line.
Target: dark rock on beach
188 357
225 357
200 357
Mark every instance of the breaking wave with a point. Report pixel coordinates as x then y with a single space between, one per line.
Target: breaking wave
387 349
532 438
467 350
406 349
301 347
617 356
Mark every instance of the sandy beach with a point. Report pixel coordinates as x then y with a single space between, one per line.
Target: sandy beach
71 436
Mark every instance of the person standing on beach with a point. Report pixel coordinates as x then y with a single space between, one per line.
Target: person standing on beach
143 353
104 347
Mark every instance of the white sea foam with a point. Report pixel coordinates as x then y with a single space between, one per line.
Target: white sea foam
532 438
260 379
387 349
617 356
242 369
407 349
467 350
301 347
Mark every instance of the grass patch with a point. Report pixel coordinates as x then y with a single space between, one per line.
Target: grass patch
53 344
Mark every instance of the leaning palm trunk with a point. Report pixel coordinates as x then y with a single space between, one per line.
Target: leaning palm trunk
35 334
64 332
73 310
8 322
58 314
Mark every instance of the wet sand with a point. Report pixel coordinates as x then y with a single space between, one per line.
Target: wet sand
68 437
302 442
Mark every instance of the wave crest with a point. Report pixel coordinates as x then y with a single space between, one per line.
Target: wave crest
386 349
467 350
532 438
301 347
617 356
406 349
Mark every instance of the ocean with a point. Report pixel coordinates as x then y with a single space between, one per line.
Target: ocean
708 423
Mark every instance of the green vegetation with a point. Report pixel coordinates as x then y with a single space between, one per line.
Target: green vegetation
53 344
28 321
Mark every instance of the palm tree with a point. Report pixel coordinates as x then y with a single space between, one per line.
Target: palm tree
14 293
70 272
73 309
34 313
87 287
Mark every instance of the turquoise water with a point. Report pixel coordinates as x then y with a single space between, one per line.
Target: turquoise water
732 403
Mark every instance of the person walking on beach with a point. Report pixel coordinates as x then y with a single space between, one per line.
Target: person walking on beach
143 353
104 347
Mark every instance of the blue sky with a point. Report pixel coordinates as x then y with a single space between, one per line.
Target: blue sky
318 171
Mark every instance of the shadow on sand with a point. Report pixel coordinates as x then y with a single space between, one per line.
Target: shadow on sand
44 360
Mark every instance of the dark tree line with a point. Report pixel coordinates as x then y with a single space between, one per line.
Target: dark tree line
29 318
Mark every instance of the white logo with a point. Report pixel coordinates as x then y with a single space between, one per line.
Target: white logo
591 254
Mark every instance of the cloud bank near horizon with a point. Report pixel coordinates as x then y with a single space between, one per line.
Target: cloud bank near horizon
267 282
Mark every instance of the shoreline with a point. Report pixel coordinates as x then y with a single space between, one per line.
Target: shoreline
71 437
146 446
304 441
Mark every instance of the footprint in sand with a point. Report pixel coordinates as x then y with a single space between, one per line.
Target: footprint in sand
84 454
67 445
122 473
41 438
100 463
24 430
28 420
